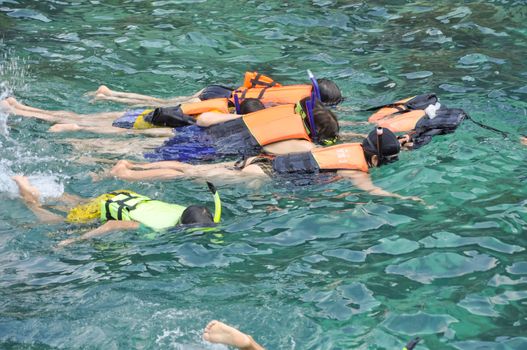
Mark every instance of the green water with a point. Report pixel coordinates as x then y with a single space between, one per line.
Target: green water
323 266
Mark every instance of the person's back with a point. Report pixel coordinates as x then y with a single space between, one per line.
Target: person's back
267 130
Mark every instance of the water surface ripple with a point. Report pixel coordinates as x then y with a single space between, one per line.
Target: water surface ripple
319 266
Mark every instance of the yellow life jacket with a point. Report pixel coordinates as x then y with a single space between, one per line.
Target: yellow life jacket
276 124
130 206
347 156
275 95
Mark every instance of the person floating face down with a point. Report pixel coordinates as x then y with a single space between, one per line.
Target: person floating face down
123 210
421 117
349 160
276 130
255 85
219 99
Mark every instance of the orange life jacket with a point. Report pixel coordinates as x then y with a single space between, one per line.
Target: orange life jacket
387 110
346 156
276 94
220 105
403 122
256 80
276 124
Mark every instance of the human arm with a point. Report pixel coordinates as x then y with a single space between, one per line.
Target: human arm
212 118
289 146
106 228
363 181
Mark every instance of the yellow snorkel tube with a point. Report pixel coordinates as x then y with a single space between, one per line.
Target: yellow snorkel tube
217 202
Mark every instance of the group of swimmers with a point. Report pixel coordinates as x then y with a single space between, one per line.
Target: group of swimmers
260 129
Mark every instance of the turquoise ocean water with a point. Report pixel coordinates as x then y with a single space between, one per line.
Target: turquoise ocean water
320 266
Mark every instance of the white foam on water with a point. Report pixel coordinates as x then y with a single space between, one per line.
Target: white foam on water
13 72
49 186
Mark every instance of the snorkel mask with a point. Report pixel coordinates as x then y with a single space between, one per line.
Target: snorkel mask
310 104
309 114
236 104
383 143
412 343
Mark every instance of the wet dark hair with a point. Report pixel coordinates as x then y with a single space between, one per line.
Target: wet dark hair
389 146
250 105
329 92
196 214
326 121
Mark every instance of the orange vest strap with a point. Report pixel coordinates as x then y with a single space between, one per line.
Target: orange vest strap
403 122
386 110
276 124
276 94
346 156
213 105
255 79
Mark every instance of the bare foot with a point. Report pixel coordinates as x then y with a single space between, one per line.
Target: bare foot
523 140
5 107
120 168
101 90
28 192
64 127
102 93
219 332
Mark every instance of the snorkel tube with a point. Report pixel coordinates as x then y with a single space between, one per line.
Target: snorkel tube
412 343
379 132
236 105
310 104
217 202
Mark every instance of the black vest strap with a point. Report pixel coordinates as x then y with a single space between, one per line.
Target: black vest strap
256 82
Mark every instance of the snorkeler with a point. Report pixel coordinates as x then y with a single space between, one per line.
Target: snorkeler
120 210
350 161
420 118
115 122
276 130
69 121
255 85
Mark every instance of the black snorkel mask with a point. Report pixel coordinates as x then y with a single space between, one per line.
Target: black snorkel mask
383 143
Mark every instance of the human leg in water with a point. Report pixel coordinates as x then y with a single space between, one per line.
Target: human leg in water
108 129
166 170
220 333
17 108
103 93
31 197
68 121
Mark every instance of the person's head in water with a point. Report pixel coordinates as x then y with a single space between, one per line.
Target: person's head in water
329 92
250 105
381 147
326 122
197 214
